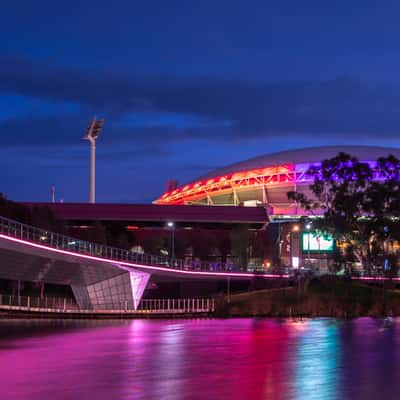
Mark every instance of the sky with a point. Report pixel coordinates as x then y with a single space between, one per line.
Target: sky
186 87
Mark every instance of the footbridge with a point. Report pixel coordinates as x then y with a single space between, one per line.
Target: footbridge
101 277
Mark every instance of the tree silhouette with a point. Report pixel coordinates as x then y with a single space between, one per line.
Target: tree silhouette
359 203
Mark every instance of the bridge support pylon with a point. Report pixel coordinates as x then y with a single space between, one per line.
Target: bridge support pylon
120 292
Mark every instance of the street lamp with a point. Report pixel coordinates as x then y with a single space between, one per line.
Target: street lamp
294 260
171 226
308 228
279 245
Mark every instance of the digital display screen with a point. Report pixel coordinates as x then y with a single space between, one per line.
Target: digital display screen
310 241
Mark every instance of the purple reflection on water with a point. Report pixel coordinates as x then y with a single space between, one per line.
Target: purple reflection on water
199 359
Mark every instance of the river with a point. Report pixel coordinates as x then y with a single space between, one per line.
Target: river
200 359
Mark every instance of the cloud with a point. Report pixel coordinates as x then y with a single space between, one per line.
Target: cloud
169 109
41 130
68 130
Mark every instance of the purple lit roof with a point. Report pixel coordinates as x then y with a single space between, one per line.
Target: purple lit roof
305 156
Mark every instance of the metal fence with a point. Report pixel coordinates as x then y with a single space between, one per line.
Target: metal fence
178 305
58 303
147 306
55 240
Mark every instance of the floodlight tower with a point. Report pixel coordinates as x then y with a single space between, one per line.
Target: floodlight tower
92 133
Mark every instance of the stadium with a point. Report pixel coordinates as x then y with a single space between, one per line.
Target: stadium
234 220
264 180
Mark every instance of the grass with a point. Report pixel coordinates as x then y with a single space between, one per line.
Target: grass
329 296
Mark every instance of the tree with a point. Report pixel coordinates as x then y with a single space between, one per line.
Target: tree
240 242
203 243
223 244
38 216
156 245
359 203
97 233
13 210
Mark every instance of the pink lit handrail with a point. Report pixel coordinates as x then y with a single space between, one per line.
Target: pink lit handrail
54 240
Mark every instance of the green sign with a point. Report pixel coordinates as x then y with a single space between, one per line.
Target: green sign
312 242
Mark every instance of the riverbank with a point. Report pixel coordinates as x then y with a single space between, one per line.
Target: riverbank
327 297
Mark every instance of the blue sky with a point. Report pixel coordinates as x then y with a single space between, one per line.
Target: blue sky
186 87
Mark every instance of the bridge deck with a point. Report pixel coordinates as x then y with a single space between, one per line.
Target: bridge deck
26 238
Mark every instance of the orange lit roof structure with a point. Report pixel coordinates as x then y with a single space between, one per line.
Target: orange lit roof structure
264 180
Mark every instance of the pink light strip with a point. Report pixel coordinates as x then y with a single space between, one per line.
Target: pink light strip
150 267
374 278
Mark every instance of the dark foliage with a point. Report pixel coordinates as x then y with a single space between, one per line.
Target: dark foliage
359 203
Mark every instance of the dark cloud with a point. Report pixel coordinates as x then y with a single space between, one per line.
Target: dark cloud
233 109
41 131
133 153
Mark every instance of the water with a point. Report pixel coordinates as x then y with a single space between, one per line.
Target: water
199 359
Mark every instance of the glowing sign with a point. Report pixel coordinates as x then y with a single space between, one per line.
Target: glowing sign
295 262
310 241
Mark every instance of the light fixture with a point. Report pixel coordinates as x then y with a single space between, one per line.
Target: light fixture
92 133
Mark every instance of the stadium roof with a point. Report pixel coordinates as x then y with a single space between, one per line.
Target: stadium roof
265 179
306 155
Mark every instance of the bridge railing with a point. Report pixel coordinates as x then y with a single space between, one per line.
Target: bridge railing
147 306
178 305
55 240
60 303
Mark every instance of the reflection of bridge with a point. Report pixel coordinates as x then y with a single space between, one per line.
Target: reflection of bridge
101 277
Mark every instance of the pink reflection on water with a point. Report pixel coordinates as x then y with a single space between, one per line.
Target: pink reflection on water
198 359
194 359
67 365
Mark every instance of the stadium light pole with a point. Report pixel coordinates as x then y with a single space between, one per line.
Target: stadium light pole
92 133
